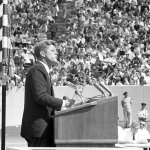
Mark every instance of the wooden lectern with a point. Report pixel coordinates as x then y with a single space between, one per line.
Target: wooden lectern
89 125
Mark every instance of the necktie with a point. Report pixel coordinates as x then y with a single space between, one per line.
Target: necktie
50 77
133 136
51 85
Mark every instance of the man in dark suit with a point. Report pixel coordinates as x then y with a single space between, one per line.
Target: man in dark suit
37 122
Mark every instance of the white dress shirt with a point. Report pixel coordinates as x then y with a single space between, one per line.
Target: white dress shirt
48 71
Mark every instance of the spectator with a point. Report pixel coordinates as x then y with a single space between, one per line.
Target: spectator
53 30
64 9
113 30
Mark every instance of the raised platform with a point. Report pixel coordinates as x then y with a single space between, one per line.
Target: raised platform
73 148
133 145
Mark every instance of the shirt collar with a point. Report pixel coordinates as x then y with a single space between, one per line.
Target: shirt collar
46 67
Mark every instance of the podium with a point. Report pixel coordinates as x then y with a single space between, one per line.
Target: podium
93 124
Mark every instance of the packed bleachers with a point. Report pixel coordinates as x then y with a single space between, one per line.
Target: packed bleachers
108 40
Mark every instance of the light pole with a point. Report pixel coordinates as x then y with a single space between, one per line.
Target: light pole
4 47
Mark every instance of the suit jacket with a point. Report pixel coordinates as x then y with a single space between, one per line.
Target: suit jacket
39 104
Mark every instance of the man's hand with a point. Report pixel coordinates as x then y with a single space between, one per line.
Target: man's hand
69 103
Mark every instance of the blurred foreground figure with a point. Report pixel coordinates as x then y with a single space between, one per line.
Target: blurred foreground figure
142 135
127 135
39 105
143 113
136 134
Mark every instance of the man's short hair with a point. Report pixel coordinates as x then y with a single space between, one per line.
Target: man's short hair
143 104
125 93
42 46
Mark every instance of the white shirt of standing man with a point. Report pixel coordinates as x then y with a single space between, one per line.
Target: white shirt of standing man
126 101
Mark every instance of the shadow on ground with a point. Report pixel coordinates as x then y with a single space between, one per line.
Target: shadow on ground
13 138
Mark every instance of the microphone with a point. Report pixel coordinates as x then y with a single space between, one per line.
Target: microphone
97 86
70 84
102 87
76 89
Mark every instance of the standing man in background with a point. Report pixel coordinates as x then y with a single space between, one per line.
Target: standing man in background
64 9
126 103
39 105
53 30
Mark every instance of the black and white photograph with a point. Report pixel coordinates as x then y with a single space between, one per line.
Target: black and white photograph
75 74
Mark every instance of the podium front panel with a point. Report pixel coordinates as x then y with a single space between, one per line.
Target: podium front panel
95 123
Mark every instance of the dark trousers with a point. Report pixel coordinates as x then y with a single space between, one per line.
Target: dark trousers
53 35
40 142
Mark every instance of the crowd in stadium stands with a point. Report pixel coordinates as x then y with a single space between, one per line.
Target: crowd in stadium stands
108 40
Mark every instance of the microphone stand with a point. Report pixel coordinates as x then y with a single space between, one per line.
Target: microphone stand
80 95
77 92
